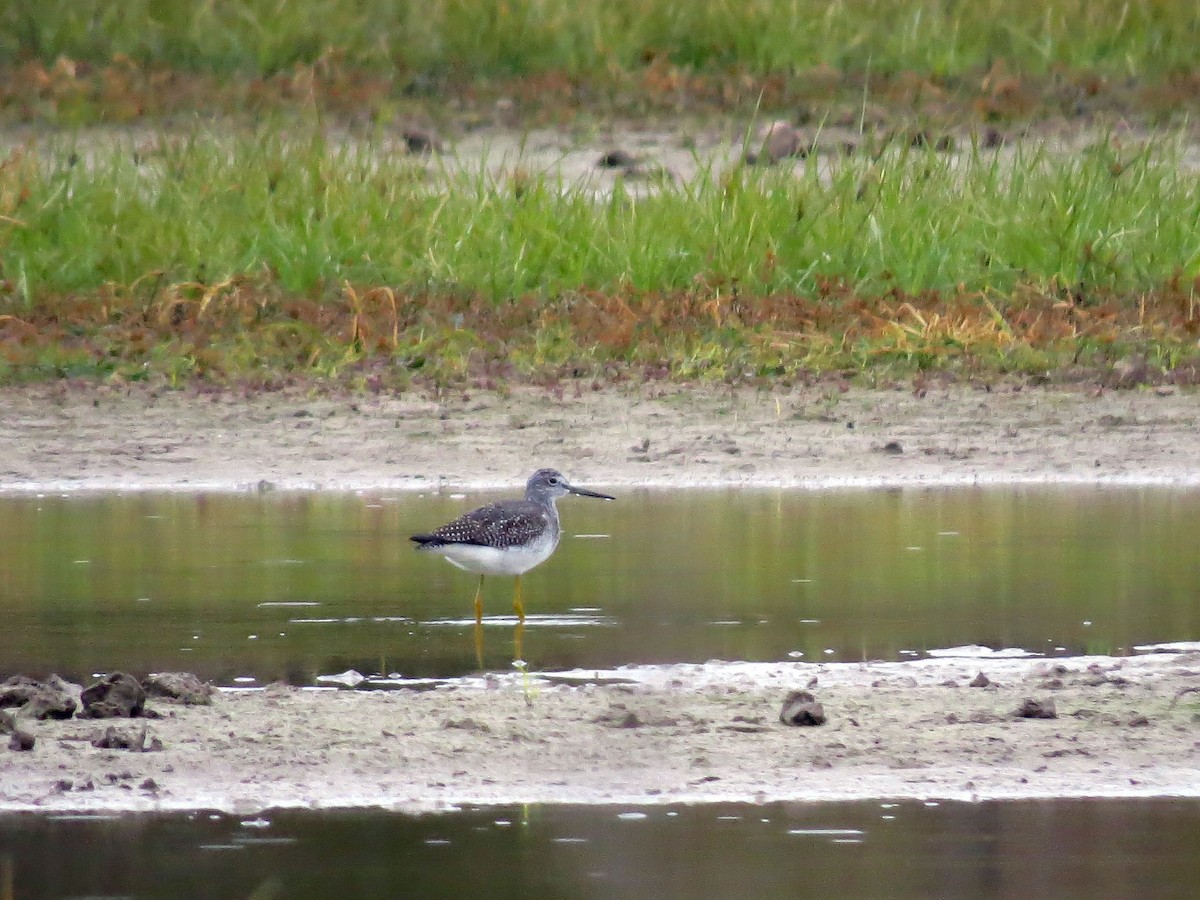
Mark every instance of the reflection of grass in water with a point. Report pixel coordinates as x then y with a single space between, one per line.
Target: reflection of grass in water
500 37
261 255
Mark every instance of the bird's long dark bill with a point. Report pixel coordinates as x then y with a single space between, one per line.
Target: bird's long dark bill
583 492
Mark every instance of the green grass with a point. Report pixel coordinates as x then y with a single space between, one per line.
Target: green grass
593 40
282 251
311 214
265 254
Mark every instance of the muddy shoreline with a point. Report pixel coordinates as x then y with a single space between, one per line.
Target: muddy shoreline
54 438
1124 727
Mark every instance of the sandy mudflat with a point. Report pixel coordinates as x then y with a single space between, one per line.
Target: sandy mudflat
683 733
647 735
53 438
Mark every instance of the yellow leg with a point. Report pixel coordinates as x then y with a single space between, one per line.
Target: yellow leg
518 605
479 602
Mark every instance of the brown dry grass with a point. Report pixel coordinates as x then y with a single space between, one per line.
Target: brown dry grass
242 328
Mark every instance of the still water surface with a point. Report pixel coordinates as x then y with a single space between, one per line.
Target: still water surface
296 585
1029 850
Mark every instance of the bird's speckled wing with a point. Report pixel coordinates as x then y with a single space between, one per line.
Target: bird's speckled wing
497 525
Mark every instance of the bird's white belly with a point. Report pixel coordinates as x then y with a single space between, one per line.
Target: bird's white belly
493 561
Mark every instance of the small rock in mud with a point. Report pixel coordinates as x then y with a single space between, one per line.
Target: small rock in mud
19 737
980 680
617 159
778 140
138 741
421 141
991 138
984 718
1063 751
1129 372
54 698
1097 679
111 740
181 687
116 696
922 137
21 740
802 708
467 724
1137 720
618 716
747 724
614 716
1036 709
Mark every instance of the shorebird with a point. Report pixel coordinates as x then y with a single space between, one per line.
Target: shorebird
506 538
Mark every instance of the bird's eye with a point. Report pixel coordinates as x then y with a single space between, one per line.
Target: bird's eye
554 480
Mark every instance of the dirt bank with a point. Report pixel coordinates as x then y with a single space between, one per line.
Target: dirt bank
54 438
646 735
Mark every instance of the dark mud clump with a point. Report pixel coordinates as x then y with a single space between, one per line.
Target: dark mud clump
1036 709
617 159
53 698
19 738
137 741
801 708
116 696
180 687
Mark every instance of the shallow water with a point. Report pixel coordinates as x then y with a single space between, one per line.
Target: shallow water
294 585
1032 849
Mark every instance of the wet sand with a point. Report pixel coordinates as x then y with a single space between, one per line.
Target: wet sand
647 735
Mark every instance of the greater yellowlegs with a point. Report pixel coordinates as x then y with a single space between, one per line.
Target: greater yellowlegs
506 538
